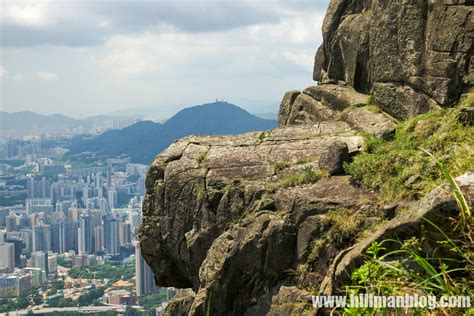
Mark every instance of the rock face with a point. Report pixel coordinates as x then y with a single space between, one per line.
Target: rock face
413 56
335 103
222 215
232 220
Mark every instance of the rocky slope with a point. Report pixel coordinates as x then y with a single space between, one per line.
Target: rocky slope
257 223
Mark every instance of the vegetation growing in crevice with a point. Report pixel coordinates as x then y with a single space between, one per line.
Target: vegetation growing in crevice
202 155
279 166
307 176
411 267
399 170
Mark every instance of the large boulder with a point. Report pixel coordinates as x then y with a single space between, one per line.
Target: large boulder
412 55
222 215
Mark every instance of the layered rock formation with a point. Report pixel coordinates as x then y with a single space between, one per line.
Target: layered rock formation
231 219
413 56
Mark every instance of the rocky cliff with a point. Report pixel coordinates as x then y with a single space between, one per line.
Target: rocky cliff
257 223
413 56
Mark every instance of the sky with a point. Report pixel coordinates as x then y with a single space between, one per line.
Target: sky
90 57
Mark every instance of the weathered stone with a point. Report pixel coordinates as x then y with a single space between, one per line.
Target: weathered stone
333 158
402 101
208 216
336 97
307 110
418 51
286 107
228 217
283 300
201 184
243 263
370 120
180 304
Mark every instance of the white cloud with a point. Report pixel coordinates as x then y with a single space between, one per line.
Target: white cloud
264 49
47 76
3 71
301 58
19 77
27 13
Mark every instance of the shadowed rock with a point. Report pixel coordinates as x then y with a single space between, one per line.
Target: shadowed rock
412 55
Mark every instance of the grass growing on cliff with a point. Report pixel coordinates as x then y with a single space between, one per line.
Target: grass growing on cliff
279 166
307 176
398 169
345 226
447 270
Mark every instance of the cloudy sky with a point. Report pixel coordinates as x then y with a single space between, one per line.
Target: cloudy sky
85 57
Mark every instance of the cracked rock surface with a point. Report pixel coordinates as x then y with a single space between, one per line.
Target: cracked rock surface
413 56
228 218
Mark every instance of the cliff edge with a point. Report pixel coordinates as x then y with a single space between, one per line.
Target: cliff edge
257 223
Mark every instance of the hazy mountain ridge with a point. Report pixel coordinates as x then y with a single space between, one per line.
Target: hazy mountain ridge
143 140
31 123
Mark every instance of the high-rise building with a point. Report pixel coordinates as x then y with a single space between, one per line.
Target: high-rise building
7 257
111 235
26 236
109 174
38 205
11 223
3 216
75 213
96 217
85 234
134 220
18 247
112 198
124 233
58 237
103 205
39 259
99 238
145 278
41 237
52 263
30 187
23 221
71 235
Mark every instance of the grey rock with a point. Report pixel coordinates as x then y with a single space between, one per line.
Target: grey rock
180 304
370 120
283 300
307 110
211 223
418 51
336 97
286 107
333 157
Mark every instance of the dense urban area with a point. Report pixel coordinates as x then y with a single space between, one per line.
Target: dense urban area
68 233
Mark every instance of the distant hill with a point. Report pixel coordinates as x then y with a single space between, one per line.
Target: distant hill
142 141
30 123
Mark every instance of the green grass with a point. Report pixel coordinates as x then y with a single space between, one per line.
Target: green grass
262 136
308 175
202 155
420 271
279 166
399 170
